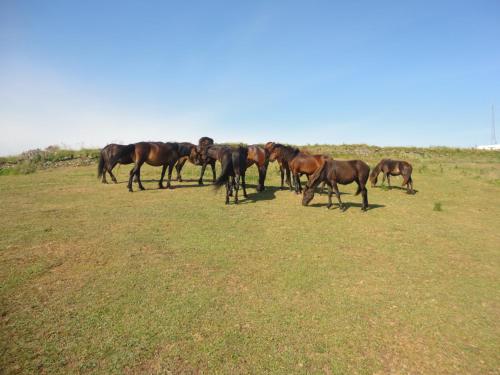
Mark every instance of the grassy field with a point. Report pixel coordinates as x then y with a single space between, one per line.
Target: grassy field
95 279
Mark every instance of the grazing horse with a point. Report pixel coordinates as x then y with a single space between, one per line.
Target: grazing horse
342 172
258 156
203 144
153 153
187 151
393 168
108 153
284 169
234 165
298 162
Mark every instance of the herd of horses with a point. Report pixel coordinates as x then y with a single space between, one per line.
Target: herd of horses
293 163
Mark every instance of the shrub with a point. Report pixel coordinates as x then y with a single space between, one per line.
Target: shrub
437 207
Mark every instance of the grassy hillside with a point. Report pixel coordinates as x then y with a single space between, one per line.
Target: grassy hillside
95 279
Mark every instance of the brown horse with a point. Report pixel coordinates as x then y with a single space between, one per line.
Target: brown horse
342 172
258 155
204 158
283 165
299 162
187 151
153 153
393 168
106 155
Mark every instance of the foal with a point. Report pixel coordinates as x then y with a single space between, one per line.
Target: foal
393 168
342 172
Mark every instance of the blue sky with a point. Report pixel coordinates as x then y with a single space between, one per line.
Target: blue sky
378 72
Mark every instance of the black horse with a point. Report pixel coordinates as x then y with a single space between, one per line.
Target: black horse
108 154
234 165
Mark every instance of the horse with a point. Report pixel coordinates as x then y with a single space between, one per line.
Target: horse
298 162
393 168
234 165
153 153
104 165
203 144
342 172
187 151
259 156
283 165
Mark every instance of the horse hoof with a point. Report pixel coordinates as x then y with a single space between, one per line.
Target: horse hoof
328 206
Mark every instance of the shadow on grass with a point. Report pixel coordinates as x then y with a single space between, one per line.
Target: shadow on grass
268 194
387 188
347 206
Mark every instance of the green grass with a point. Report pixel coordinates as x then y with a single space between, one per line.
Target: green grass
95 279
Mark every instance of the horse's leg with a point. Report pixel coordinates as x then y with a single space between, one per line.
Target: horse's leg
169 178
298 187
411 185
244 185
383 178
282 174
103 180
200 181
138 178
163 169
136 171
330 204
236 188
388 180
288 178
178 168
364 194
228 182
231 186
336 190
113 178
214 176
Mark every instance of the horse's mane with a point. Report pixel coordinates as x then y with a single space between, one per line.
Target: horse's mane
287 152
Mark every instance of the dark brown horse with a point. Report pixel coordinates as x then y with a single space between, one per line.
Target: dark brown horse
204 159
258 155
107 154
283 165
342 172
153 153
234 165
187 151
299 162
393 168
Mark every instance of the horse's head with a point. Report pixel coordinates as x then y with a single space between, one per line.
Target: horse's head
308 195
194 155
373 178
275 152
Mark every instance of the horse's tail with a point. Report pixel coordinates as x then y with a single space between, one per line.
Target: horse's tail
363 173
227 165
126 150
240 156
100 165
316 177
